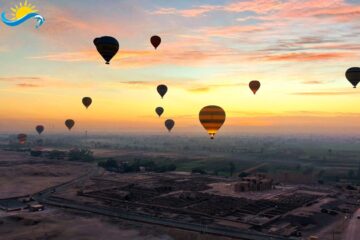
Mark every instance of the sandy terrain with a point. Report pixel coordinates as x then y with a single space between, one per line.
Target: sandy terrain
21 174
58 225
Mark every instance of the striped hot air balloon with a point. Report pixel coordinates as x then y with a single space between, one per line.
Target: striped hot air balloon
212 118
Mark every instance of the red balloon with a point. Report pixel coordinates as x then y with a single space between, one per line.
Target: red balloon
254 86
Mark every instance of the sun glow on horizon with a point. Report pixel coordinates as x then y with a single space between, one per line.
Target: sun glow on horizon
21 10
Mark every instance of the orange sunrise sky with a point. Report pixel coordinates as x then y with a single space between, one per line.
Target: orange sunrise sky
210 50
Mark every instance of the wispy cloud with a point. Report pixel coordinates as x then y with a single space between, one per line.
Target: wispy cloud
231 30
308 56
311 82
339 9
40 82
143 58
199 89
28 85
19 78
334 93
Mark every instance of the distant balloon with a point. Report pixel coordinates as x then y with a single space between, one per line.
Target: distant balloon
169 124
254 86
107 47
39 129
87 101
155 41
69 124
162 90
22 138
353 75
159 111
212 118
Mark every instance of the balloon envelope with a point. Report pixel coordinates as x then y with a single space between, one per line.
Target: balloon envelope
169 124
39 129
107 47
155 41
162 90
69 124
353 76
22 138
87 101
159 111
212 118
254 86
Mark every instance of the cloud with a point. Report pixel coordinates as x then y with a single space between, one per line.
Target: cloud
19 78
41 81
313 82
28 85
308 56
90 56
143 58
199 89
231 30
339 10
191 12
335 93
257 6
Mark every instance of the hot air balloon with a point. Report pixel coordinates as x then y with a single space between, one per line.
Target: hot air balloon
169 124
159 111
107 47
353 75
162 89
155 41
254 86
212 118
39 129
22 138
69 124
87 101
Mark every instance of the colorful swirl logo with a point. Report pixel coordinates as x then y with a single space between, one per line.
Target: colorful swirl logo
21 13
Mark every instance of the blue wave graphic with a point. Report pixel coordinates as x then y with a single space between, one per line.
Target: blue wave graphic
40 19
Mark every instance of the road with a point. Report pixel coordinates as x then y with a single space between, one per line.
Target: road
352 231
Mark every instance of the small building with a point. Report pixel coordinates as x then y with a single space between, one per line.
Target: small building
36 208
254 183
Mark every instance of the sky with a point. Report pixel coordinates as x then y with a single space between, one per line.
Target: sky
298 50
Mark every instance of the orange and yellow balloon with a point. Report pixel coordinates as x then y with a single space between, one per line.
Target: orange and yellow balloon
212 118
